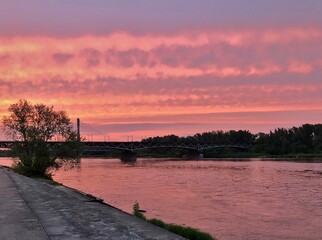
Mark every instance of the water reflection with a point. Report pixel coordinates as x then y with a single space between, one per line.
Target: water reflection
232 200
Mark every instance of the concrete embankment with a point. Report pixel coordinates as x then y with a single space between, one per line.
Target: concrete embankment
31 209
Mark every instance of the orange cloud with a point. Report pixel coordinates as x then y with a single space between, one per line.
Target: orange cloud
122 55
123 78
301 68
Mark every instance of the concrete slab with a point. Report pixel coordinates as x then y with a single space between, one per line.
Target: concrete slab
17 221
65 213
24 230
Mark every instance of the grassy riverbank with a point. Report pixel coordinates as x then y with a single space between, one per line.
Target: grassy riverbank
186 232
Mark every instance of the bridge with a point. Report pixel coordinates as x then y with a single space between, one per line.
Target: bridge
136 146
129 149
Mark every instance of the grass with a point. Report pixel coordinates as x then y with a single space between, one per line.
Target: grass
29 172
186 232
46 180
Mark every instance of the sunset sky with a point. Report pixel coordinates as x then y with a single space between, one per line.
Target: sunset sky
156 67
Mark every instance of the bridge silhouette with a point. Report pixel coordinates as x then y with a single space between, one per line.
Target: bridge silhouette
136 146
129 149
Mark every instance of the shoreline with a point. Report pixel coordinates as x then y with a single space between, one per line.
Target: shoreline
55 183
115 161
94 199
304 159
66 213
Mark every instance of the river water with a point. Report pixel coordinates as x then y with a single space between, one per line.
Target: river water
231 200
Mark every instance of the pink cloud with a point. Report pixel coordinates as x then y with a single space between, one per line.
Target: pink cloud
123 76
62 58
121 55
92 57
301 68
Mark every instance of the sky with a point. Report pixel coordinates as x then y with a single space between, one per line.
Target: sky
135 69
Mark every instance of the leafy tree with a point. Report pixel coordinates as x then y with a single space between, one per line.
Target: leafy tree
317 137
305 139
32 128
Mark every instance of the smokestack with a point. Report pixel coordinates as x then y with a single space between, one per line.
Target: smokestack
78 130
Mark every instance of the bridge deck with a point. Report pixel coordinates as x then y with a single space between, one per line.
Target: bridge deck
135 146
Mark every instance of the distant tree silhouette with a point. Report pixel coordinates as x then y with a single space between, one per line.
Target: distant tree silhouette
304 139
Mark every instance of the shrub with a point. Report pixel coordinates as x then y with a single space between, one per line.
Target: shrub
186 232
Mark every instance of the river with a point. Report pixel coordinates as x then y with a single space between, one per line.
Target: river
230 199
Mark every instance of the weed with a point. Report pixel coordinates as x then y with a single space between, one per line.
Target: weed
186 232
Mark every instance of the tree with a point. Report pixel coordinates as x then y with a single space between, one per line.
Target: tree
32 128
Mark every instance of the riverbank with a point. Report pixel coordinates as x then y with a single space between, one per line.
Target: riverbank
31 209
314 157
286 158
208 155
223 198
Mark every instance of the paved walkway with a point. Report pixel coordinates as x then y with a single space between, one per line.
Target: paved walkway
30 209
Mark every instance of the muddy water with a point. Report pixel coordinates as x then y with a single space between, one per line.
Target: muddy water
232 200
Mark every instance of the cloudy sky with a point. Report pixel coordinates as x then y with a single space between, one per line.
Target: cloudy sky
155 67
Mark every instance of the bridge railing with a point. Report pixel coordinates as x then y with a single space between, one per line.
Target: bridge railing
135 146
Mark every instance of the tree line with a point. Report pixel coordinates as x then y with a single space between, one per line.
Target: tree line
304 139
33 126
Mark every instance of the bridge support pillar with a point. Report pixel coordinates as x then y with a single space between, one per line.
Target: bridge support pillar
128 156
193 154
